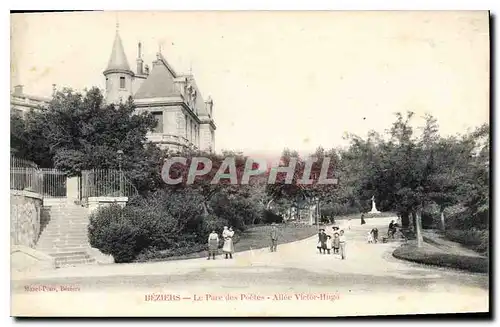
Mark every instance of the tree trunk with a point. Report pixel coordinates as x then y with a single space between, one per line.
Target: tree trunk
418 223
412 219
269 204
205 209
405 220
443 226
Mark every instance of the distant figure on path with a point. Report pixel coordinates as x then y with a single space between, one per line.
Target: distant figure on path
328 243
392 229
228 247
363 219
342 244
336 243
322 237
213 244
274 238
369 238
349 223
375 234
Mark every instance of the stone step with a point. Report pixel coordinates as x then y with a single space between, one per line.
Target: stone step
66 237
46 241
71 249
71 255
74 262
63 245
54 230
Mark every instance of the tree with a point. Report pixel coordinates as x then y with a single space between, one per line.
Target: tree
81 132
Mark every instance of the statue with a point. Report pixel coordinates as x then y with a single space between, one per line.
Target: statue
374 208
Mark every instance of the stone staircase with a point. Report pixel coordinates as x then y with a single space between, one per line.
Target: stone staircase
64 234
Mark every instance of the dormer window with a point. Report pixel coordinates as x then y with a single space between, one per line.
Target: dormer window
122 82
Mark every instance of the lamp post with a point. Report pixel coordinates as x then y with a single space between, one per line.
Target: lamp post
120 158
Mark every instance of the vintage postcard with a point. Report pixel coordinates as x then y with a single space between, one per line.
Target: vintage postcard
249 164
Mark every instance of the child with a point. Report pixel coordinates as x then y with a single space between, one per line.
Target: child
370 237
328 244
336 243
342 244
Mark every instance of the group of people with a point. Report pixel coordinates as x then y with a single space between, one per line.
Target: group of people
214 241
373 234
329 244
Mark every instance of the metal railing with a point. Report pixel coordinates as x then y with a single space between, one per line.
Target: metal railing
52 183
105 182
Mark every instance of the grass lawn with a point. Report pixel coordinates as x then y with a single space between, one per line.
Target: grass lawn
430 256
256 237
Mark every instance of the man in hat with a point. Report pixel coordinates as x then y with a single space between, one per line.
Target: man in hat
274 238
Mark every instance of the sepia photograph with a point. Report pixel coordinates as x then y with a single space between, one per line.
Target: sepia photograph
249 163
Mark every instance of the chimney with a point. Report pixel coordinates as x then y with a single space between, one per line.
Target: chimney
139 60
18 90
146 70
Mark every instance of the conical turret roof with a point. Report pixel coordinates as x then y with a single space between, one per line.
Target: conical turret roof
118 59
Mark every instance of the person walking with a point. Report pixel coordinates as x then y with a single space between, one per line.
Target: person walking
274 238
342 242
228 247
375 235
213 244
363 219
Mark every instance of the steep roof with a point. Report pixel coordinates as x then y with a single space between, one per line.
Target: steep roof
159 84
118 59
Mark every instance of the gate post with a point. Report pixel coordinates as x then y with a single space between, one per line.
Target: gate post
72 189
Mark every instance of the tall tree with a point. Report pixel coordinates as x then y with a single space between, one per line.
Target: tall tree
80 131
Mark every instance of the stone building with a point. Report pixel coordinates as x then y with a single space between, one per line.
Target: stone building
185 119
20 103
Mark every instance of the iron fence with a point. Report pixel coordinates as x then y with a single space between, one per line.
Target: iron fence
52 183
105 182
22 163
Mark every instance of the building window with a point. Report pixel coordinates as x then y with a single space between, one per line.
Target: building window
122 82
159 118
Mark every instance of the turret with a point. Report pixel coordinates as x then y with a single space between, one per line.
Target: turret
118 74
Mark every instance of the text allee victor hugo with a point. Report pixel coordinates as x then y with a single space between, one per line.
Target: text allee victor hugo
207 297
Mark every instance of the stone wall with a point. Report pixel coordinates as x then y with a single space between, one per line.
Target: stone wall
95 203
25 209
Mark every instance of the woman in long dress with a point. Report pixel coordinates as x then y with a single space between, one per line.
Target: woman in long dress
213 244
228 247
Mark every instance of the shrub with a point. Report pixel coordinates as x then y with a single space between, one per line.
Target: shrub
477 240
111 231
270 217
213 222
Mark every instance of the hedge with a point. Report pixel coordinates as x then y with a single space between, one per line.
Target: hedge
442 259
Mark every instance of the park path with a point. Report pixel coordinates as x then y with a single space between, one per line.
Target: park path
369 281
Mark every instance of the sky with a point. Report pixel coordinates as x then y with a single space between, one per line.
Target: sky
279 80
